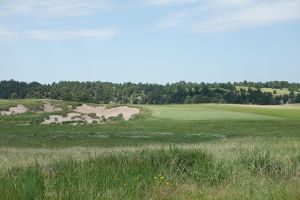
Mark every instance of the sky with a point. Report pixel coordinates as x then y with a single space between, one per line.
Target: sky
153 41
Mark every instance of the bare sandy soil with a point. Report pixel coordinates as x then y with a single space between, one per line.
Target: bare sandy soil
71 117
83 114
19 109
59 119
107 113
49 108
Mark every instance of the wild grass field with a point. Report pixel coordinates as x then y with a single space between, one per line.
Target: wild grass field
204 151
283 91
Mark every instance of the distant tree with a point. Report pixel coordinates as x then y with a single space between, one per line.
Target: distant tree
14 95
180 92
297 99
277 100
285 99
67 97
292 94
188 100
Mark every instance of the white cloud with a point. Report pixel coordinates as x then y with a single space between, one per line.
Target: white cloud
53 8
173 19
250 16
168 2
54 35
7 35
12 11
221 3
225 15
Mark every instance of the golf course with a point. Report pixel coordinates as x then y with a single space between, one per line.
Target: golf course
149 100
183 151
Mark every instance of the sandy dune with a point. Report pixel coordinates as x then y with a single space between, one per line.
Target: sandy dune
107 113
19 109
59 119
49 108
81 114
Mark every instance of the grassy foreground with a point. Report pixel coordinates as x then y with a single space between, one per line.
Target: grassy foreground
172 173
170 152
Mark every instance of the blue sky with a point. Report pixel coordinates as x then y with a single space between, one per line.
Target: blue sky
150 40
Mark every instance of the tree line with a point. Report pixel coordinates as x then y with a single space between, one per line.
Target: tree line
145 93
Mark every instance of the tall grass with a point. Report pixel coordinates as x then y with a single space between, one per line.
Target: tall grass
152 174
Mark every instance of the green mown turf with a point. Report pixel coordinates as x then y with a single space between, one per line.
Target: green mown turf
210 112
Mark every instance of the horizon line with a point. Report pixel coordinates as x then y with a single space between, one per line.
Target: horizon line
154 83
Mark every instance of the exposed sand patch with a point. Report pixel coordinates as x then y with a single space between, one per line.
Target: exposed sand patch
83 114
59 119
107 113
49 108
19 109
90 120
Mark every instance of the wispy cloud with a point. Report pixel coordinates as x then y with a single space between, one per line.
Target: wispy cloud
169 2
258 14
53 8
73 34
6 34
35 13
225 15
174 19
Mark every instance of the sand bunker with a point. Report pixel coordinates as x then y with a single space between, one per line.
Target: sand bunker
59 119
49 108
90 114
19 109
107 113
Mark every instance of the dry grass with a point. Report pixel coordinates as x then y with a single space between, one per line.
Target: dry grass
222 149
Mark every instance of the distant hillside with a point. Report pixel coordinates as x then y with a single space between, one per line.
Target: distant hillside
275 92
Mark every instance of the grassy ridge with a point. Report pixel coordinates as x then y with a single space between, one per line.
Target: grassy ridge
284 91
